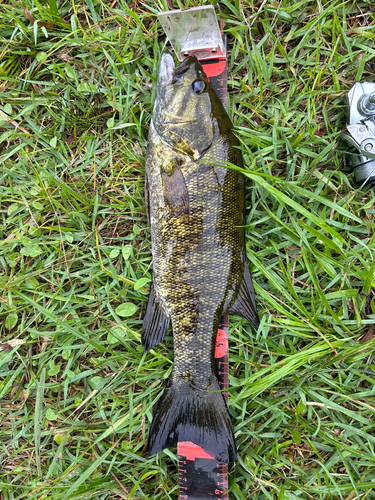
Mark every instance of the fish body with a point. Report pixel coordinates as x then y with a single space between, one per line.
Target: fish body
196 212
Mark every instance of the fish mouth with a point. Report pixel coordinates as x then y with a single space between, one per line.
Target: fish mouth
166 70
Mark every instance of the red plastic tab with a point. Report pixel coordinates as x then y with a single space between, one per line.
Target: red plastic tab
213 67
221 343
191 451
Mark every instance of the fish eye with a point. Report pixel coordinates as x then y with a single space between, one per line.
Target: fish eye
198 86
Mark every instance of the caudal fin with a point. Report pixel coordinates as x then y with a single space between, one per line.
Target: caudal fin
185 413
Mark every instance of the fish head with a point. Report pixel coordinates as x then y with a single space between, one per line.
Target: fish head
187 109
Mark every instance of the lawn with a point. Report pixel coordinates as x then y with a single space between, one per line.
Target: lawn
77 85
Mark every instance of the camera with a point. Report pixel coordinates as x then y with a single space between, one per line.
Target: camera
360 132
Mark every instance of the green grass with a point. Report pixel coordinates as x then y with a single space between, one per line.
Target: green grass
76 389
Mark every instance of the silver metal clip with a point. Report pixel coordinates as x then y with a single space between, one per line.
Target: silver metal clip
360 132
193 31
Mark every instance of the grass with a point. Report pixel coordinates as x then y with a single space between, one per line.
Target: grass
76 90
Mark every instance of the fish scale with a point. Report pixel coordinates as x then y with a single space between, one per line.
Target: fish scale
196 212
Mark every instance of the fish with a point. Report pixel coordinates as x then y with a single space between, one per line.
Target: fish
195 207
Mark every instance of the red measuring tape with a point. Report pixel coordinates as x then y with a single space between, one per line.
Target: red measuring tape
216 70
200 475
195 31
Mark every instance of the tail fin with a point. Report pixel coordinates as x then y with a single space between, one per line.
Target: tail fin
188 414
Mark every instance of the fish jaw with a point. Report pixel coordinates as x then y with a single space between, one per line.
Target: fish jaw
165 76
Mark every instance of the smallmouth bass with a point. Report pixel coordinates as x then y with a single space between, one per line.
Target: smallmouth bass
196 211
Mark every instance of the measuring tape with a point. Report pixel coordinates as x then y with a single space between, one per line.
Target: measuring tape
200 475
216 70
195 31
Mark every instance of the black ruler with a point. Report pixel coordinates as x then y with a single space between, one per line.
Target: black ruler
216 70
200 475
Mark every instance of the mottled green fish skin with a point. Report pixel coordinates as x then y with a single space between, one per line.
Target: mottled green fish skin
196 213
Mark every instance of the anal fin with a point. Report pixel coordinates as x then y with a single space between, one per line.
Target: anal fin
244 304
155 323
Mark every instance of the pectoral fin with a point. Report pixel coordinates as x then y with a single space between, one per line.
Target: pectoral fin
155 323
175 192
244 304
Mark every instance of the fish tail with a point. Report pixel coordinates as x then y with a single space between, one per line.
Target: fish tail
185 413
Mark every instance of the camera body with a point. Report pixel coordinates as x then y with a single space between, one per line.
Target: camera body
360 132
